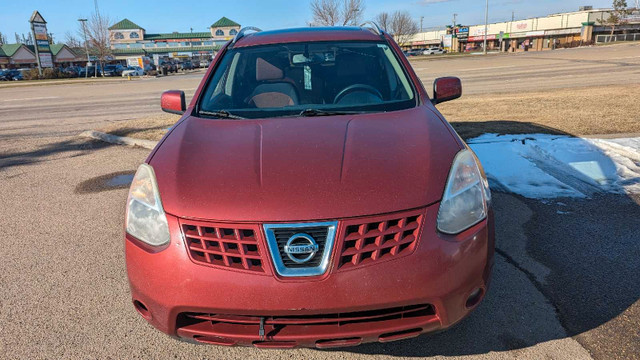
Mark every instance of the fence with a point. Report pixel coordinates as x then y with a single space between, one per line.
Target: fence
614 38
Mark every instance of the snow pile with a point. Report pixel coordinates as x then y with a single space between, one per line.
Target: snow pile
549 166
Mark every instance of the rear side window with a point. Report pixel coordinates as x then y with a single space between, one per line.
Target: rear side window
283 79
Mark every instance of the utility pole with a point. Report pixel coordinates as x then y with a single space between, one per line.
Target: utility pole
86 48
455 16
421 20
513 16
486 27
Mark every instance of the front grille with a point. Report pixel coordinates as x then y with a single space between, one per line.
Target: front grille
319 233
368 240
223 245
339 319
307 262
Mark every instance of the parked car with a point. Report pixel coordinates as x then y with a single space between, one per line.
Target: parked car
10 75
415 52
91 70
301 201
167 66
133 71
434 51
204 63
185 65
112 70
71 71
4 75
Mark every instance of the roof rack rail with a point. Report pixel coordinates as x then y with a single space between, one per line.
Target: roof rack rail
374 27
242 31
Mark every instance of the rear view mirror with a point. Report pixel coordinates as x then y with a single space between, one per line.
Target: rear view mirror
446 89
173 102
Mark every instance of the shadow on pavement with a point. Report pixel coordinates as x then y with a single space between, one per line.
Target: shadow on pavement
565 267
68 148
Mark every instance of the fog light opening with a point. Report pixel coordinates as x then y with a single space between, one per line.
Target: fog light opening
142 309
474 298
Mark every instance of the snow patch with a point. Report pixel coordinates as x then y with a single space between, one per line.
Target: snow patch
543 166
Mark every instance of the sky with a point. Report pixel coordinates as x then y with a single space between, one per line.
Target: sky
170 15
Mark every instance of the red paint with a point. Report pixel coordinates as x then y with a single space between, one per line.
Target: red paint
355 169
173 101
447 88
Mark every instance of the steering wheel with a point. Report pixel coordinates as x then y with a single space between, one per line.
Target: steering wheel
354 88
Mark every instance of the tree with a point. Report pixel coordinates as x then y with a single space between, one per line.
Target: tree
72 41
337 12
98 36
383 20
617 16
3 39
402 27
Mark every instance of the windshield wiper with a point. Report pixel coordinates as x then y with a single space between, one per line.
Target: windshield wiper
318 112
221 114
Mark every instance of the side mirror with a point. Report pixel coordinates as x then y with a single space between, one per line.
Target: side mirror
173 102
446 89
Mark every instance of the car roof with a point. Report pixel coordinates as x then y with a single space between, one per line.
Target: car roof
337 33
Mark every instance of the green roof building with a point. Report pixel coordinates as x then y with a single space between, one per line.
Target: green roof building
130 39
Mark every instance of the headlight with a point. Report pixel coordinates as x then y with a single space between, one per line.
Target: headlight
146 220
466 194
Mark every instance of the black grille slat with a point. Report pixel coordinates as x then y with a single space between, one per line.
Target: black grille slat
319 234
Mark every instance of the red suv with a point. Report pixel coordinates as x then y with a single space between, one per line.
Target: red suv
310 195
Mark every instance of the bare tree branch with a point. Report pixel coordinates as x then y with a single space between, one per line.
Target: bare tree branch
325 12
402 27
98 36
383 20
352 12
71 40
337 12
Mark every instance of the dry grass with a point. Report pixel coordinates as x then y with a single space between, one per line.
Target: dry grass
575 111
148 128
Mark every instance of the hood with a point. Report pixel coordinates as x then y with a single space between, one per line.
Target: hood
297 169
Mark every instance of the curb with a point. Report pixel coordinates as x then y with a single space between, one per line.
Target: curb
119 140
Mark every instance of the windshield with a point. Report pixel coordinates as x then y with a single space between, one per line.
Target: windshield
291 79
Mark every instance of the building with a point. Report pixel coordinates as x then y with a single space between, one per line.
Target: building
130 39
24 56
533 34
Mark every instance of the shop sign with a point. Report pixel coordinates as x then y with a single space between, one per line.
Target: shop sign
522 26
478 31
447 41
43 52
562 32
40 31
462 32
45 60
481 38
535 33
633 18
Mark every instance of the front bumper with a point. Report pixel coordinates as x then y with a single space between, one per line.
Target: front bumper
436 286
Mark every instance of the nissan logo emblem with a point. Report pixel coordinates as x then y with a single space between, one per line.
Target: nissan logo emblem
301 248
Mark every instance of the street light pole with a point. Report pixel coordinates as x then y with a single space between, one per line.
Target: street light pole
486 27
86 46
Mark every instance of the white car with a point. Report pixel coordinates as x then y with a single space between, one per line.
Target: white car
434 51
133 71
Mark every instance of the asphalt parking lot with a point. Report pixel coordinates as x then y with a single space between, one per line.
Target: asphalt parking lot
565 285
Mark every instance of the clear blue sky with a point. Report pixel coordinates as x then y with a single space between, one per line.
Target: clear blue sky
173 15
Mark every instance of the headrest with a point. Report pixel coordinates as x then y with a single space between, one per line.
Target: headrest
266 71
